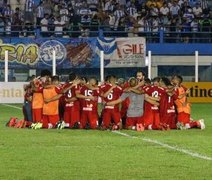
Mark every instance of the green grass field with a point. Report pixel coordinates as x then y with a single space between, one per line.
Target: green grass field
84 154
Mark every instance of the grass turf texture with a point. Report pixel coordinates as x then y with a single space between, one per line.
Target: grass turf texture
85 154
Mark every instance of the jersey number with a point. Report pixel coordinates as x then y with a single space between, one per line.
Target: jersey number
155 94
69 94
110 96
88 92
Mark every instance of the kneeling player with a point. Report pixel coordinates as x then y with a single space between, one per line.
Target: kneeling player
89 104
183 107
135 110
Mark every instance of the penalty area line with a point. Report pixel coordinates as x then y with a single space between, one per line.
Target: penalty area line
167 146
8 105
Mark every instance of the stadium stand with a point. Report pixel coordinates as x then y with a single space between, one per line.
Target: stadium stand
173 21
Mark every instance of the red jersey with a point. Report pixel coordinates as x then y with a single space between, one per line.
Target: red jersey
167 103
113 95
88 104
153 91
71 93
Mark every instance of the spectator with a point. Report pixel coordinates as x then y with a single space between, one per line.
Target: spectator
197 10
92 5
195 29
17 22
48 7
64 14
205 26
188 15
85 14
8 26
132 11
45 26
164 10
29 29
2 23
8 12
94 26
174 9
155 28
39 13
153 11
109 6
204 4
29 11
59 25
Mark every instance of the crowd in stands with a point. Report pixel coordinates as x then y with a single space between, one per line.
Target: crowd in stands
83 18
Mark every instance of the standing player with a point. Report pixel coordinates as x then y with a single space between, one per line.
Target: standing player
89 104
184 107
111 92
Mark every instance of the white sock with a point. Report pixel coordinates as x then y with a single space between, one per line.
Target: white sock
133 127
50 126
66 124
150 127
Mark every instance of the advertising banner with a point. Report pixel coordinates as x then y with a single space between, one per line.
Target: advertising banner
200 92
72 52
12 92
123 52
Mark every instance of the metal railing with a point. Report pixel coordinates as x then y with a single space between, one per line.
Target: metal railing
163 35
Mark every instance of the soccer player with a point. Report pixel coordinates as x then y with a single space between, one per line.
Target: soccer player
72 104
37 99
167 106
51 109
135 110
184 107
151 113
111 92
89 104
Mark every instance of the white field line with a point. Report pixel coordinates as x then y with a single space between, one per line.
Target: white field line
8 105
174 148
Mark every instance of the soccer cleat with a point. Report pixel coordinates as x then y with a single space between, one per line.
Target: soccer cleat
60 125
12 122
202 124
20 124
32 126
180 126
38 126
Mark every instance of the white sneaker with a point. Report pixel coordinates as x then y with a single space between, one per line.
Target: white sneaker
38 126
202 124
180 126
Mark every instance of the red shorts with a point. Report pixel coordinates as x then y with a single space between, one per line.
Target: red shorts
53 119
109 115
37 115
151 117
183 117
132 121
71 115
89 116
169 119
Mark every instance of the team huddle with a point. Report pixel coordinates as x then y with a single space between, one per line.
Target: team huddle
137 104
